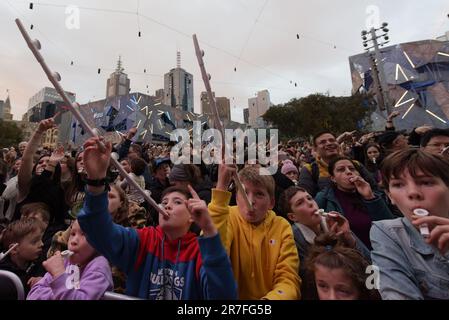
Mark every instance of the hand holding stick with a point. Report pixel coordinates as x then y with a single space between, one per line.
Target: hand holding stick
215 114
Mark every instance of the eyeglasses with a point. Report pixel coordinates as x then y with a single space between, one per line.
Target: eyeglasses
438 145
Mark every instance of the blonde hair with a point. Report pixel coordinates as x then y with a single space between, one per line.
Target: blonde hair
252 175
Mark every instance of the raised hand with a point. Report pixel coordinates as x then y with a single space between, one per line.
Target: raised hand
345 135
340 226
439 234
363 187
96 161
54 265
200 214
225 174
57 155
45 124
423 129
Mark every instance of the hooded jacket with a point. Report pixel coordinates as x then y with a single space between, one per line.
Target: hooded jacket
263 257
182 269
87 283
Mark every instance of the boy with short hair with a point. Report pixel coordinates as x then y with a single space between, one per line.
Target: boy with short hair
27 234
163 262
38 210
260 244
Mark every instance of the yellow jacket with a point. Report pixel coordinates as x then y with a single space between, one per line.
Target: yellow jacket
264 257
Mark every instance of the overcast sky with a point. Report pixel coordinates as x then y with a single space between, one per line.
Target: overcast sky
257 37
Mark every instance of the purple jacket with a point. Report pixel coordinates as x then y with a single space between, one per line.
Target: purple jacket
89 283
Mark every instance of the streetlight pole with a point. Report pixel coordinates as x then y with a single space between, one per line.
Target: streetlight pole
377 65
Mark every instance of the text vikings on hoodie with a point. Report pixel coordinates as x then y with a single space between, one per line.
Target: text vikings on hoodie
157 268
264 257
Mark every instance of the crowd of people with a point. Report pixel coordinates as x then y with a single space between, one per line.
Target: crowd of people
348 217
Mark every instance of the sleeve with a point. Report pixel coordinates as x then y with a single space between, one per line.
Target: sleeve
302 248
219 212
414 138
118 244
286 281
94 282
216 277
306 181
396 278
377 208
42 290
124 149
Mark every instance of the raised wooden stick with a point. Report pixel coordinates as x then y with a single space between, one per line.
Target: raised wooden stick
216 116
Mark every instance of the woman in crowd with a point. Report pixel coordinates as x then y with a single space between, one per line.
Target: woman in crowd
353 197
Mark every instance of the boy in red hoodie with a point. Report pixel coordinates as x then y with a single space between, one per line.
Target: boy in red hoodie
166 262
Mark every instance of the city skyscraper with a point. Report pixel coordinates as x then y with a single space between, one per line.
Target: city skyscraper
178 87
5 112
118 83
257 107
223 106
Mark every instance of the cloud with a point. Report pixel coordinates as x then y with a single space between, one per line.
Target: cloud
271 55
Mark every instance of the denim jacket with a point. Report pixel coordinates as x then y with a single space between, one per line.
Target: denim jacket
409 268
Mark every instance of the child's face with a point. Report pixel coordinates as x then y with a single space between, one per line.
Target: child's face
82 250
30 247
303 209
426 192
292 175
125 165
372 153
114 201
260 200
334 284
174 204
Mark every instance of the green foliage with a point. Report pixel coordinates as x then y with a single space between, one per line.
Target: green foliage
10 134
317 112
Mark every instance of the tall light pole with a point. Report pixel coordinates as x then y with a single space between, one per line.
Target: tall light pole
377 65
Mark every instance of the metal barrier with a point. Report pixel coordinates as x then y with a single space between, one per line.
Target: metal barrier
15 280
109 295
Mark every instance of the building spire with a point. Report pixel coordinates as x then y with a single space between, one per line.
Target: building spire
178 59
119 68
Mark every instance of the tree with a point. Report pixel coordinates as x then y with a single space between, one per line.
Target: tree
10 134
309 115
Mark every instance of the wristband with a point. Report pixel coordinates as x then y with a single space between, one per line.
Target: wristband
98 182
